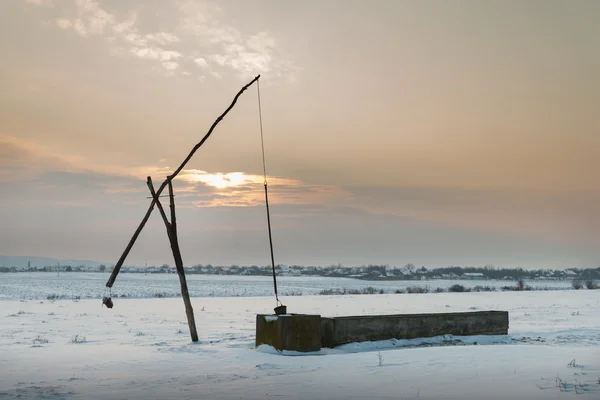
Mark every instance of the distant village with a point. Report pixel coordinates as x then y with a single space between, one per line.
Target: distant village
370 272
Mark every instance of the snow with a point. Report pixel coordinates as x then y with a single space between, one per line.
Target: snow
141 349
88 285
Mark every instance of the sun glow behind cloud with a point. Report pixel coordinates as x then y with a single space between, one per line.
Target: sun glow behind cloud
27 160
547 215
220 180
238 189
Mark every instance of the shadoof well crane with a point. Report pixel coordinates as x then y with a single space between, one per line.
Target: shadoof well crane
171 225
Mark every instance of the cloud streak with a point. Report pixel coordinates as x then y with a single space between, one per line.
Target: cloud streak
29 160
569 218
246 190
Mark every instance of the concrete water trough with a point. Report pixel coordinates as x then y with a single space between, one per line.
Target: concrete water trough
310 332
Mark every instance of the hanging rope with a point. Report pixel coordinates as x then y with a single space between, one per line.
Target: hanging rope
262 142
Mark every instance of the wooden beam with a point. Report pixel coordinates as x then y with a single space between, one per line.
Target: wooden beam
119 264
160 207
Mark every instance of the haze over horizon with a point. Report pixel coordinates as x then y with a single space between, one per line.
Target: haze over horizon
433 133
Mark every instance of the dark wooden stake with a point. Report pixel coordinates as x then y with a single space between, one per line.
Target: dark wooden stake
180 271
137 232
172 234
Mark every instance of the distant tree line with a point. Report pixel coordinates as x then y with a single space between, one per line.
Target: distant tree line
55 268
366 272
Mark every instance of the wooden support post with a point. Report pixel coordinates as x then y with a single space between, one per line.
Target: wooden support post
180 271
172 234
156 199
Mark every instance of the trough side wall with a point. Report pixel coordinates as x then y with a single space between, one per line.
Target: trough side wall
342 330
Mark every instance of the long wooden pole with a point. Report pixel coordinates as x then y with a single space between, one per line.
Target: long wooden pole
137 232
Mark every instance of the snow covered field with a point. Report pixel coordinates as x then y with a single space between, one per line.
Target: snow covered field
41 285
141 349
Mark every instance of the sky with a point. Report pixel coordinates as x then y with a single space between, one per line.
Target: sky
428 132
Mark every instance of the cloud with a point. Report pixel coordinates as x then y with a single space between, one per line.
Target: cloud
238 189
92 18
199 39
22 160
261 42
245 55
571 218
170 65
167 55
63 23
80 28
126 25
135 39
162 38
411 220
201 62
40 176
197 16
26 159
155 53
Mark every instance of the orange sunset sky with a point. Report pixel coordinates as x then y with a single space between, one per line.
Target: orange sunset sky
429 132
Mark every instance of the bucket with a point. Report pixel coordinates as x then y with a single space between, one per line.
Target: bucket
281 310
107 301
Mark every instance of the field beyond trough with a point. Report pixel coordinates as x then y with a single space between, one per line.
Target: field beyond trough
76 349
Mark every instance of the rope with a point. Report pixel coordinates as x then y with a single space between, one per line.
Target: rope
262 142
